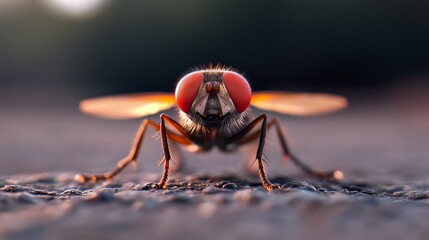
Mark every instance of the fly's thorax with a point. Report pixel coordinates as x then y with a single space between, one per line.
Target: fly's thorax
231 124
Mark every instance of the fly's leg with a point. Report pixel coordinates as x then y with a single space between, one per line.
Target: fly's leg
335 174
167 156
241 138
132 156
262 174
162 184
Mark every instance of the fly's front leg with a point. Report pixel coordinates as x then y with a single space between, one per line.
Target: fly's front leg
131 157
262 174
241 138
167 156
186 139
133 154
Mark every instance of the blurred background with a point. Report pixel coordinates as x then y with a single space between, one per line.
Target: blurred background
53 53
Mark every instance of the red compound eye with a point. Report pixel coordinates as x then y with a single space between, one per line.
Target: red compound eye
187 89
238 89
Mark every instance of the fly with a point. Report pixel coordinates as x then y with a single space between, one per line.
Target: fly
214 111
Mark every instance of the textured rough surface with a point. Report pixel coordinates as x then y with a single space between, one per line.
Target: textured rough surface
211 207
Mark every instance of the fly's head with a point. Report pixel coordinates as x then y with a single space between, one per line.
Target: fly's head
213 99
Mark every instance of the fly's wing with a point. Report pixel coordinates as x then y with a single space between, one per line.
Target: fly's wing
128 106
299 104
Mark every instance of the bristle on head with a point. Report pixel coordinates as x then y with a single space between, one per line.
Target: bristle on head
213 68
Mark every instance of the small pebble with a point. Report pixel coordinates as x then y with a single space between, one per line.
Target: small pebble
104 195
72 192
412 195
41 192
14 188
146 187
299 185
220 184
360 189
230 186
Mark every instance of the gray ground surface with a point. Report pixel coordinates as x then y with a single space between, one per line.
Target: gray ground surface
381 149
211 207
